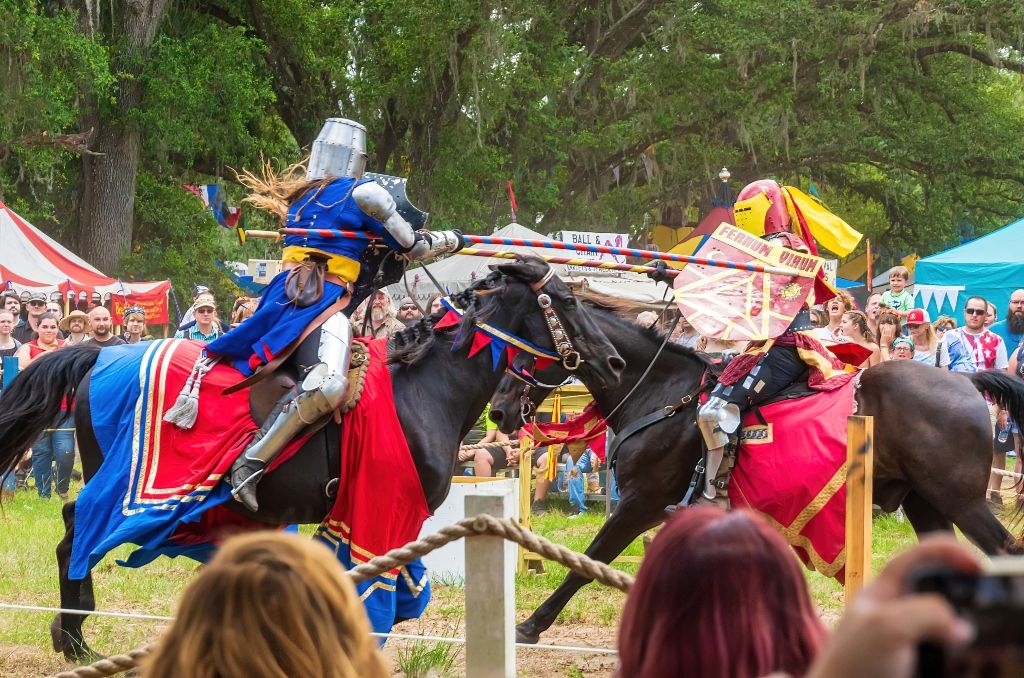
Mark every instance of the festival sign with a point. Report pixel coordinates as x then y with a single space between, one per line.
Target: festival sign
155 304
589 238
737 305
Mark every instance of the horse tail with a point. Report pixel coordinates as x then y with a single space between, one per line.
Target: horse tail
36 397
1004 389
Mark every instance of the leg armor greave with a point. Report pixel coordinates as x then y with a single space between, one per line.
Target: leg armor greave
321 392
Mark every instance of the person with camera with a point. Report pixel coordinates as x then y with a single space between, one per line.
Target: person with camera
883 626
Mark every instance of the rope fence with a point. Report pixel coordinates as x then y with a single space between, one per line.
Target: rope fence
480 525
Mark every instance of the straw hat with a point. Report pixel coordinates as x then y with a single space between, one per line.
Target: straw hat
65 323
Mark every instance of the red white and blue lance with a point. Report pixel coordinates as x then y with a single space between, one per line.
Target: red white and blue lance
556 245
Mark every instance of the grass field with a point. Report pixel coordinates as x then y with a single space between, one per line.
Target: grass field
30 529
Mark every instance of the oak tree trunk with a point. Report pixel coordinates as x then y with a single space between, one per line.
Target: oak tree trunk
107 209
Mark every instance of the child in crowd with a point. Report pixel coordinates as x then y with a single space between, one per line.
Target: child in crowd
897 297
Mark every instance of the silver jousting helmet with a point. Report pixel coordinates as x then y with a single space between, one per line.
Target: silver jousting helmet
339 151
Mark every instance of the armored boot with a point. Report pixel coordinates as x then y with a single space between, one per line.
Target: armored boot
322 391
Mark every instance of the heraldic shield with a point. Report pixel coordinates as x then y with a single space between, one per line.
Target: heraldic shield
737 305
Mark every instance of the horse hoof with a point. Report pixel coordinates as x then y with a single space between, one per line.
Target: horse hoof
57 635
527 638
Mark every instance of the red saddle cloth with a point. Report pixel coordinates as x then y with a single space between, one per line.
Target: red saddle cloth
792 470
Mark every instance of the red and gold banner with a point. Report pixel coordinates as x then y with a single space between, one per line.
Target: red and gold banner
738 305
154 302
588 426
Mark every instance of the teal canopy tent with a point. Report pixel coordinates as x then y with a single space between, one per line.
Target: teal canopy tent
991 267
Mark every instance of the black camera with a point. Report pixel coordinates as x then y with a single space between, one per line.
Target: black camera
994 604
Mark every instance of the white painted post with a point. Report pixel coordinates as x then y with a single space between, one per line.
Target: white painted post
490 592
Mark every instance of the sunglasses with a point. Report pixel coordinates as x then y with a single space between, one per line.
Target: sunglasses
37 303
975 311
407 308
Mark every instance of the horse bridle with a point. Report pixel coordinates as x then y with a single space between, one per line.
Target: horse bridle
571 358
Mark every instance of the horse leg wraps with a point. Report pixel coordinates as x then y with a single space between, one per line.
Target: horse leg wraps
323 390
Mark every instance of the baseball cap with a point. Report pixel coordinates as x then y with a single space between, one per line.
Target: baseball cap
205 301
917 316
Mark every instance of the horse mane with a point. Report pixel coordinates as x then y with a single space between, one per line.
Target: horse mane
479 302
621 311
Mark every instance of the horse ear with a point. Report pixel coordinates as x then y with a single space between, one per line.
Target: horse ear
527 268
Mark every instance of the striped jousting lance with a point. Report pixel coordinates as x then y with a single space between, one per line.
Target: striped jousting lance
549 244
568 261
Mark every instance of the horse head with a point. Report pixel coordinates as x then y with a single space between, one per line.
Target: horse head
567 326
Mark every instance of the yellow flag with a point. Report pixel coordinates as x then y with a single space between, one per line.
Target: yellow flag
829 230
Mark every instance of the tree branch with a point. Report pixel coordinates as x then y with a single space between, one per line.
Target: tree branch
970 52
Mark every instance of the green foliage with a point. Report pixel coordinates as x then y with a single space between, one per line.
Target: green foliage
906 115
178 238
423 660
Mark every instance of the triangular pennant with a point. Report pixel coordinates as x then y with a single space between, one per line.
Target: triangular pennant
496 348
512 353
543 363
480 340
450 318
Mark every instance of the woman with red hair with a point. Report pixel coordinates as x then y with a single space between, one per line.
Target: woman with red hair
718 595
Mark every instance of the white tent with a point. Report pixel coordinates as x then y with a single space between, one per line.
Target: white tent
457 272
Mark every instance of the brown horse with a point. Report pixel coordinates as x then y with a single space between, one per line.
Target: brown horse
933 443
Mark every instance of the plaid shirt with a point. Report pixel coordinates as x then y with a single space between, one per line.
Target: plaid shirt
194 333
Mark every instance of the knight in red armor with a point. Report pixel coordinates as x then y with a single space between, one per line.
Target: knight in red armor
766 368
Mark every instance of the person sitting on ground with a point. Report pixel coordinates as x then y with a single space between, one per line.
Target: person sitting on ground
101 324
206 327
854 327
897 297
74 327
487 462
269 605
135 325
902 348
735 585
883 625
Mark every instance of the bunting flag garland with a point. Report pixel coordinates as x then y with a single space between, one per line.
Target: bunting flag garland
498 341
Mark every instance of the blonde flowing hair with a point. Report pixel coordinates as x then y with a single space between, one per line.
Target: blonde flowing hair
269 605
274 191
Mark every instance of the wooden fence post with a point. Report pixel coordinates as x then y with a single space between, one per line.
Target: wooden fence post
490 592
860 468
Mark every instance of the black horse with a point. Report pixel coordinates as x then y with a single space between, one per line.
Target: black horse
933 443
439 394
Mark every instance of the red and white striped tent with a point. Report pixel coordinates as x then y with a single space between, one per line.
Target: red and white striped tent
31 260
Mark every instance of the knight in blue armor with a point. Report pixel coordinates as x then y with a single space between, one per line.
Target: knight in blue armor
333 196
